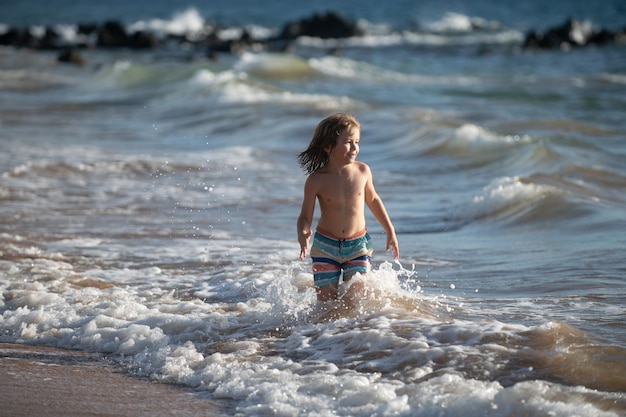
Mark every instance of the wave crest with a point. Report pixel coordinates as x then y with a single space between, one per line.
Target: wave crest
520 201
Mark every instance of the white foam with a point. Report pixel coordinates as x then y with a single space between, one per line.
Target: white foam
473 134
208 78
508 192
614 78
510 189
234 87
457 22
347 68
342 67
273 65
185 22
380 362
445 35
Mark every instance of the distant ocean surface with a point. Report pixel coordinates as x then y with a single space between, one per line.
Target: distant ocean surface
148 204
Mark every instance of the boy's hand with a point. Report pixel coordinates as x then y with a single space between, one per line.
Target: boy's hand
392 242
303 239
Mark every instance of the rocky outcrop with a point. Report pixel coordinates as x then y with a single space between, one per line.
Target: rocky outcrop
108 35
113 34
328 25
24 38
572 33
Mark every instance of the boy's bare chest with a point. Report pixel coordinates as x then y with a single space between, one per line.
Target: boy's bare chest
343 188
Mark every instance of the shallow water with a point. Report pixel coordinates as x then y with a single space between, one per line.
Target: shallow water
149 207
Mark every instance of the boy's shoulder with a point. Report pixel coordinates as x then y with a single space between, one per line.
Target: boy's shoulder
361 166
316 177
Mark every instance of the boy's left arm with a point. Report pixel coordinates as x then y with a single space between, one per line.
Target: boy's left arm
376 206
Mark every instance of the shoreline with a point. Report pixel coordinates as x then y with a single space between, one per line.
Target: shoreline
42 381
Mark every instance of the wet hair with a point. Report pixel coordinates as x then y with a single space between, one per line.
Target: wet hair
325 137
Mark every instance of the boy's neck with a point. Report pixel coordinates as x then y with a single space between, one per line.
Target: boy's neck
338 168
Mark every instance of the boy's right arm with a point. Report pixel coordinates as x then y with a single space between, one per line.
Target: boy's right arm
306 217
304 234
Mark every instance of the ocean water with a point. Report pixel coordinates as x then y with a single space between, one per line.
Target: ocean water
149 200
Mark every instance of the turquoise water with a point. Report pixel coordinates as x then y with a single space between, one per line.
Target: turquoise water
149 202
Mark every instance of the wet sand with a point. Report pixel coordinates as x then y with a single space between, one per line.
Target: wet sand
47 382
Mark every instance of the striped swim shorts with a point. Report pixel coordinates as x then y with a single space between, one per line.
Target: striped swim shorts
331 256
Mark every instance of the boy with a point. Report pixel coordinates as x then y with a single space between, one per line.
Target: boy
342 186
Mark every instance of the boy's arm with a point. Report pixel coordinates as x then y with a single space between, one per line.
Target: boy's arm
306 217
375 204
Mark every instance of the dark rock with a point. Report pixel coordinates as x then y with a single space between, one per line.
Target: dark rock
21 38
50 39
71 56
86 29
245 41
143 40
567 35
326 26
603 36
112 34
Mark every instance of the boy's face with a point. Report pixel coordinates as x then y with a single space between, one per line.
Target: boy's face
346 146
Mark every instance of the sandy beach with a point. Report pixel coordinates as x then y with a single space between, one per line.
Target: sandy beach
39 381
